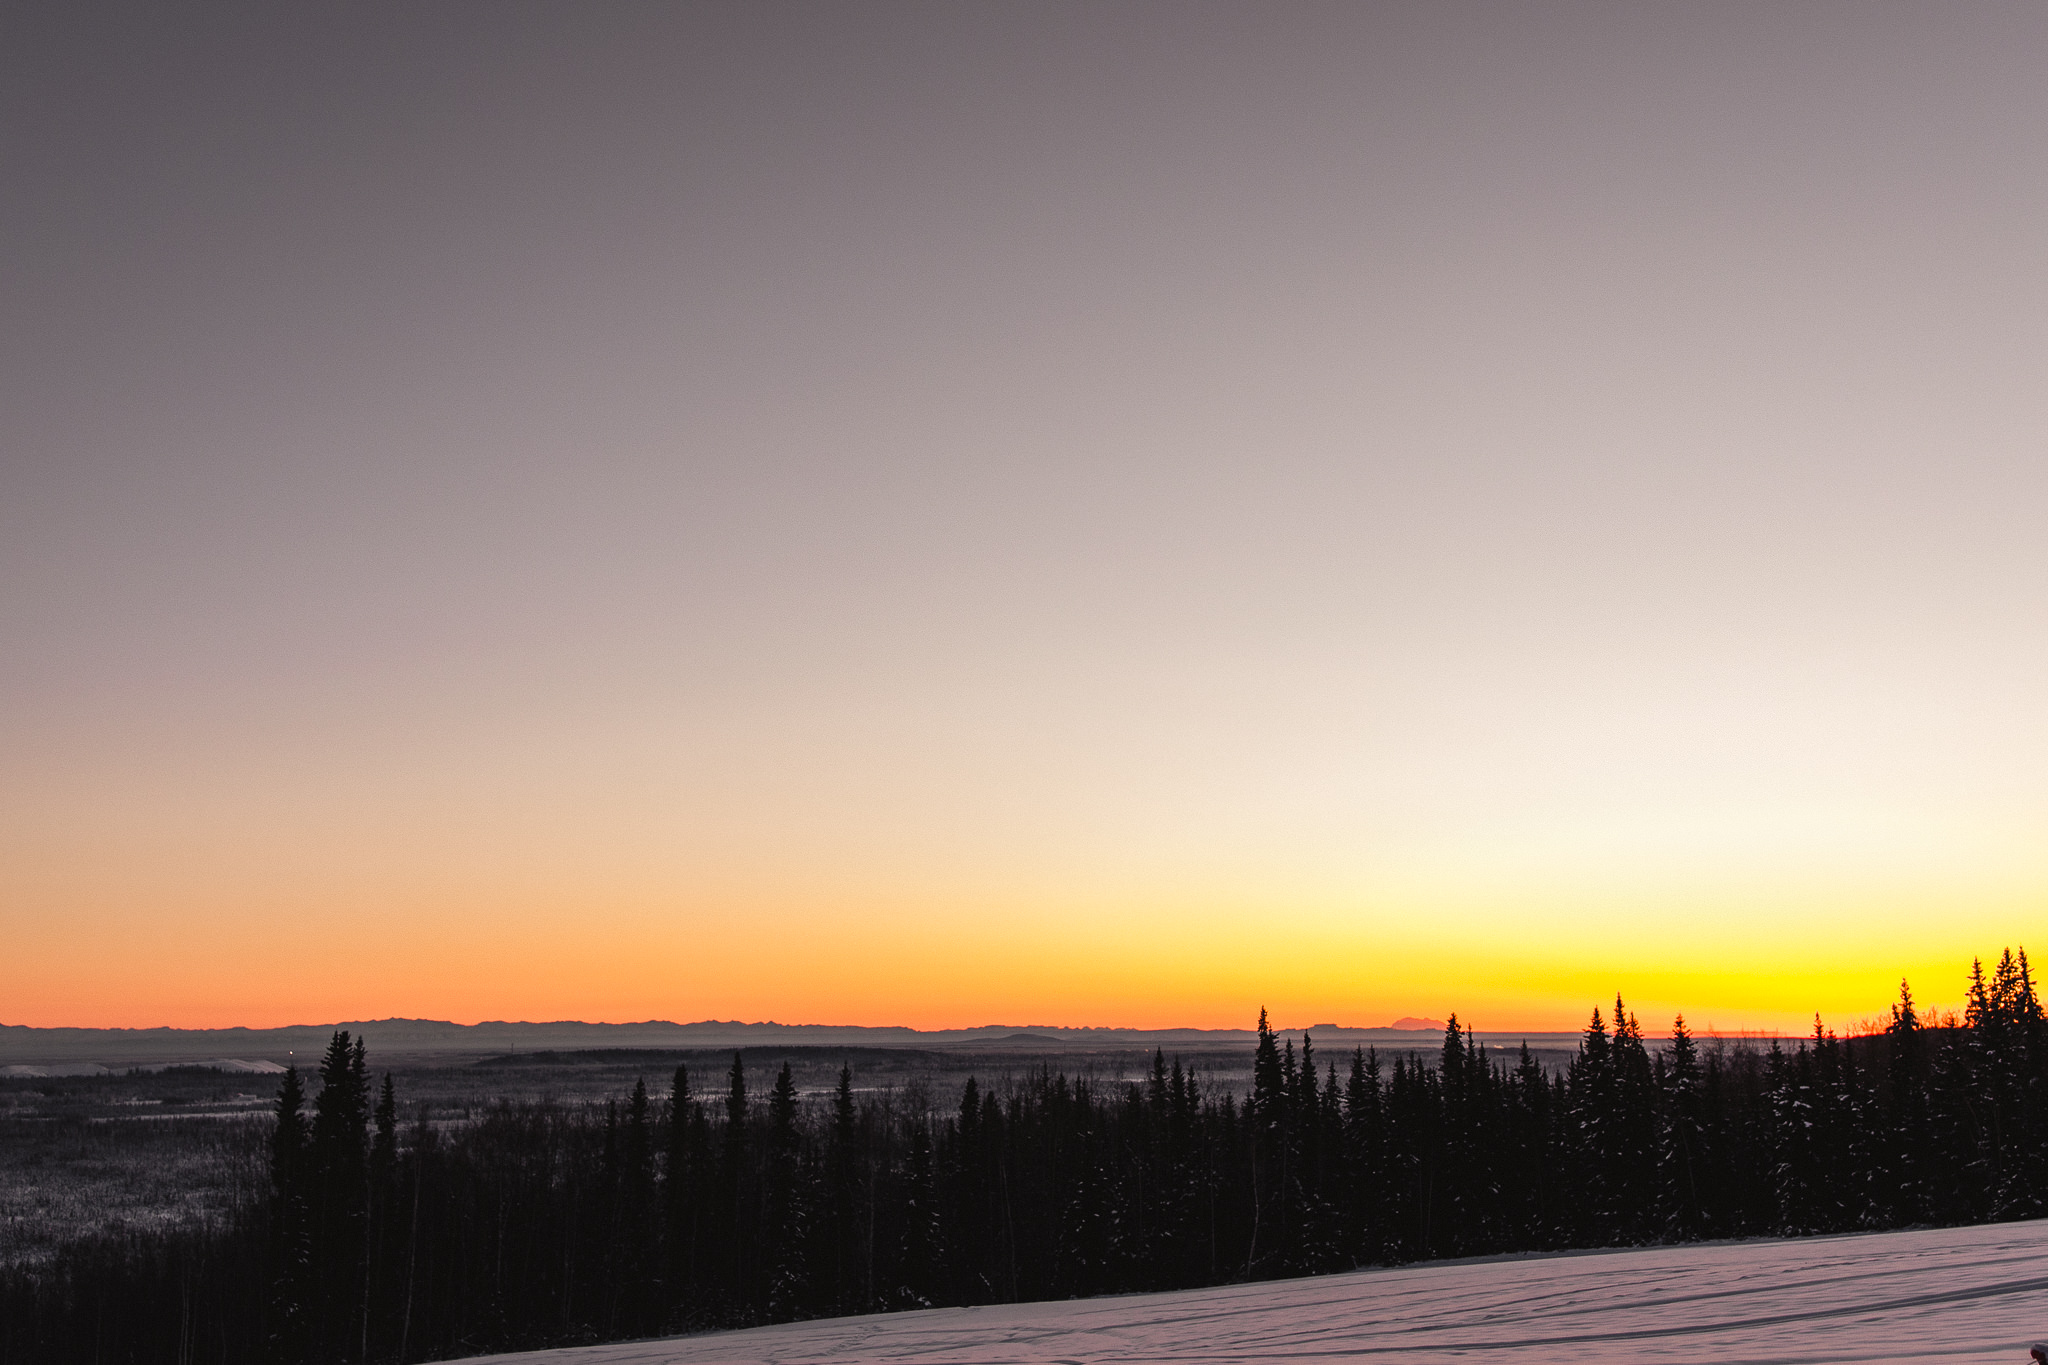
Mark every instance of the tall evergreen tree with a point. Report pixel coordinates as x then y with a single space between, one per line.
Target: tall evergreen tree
970 1211
921 1258
1789 1104
338 1152
1453 1208
737 1224
1265 1116
291 1289
1529 1178
381 1263
788 1227
850 1292
1586 1139
1362 1156
288 1143
636 1282
2007 1071
1629 1139
1905 1170
680 1205
1681 1139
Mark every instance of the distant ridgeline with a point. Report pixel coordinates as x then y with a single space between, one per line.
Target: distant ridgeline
386 1236
77 1051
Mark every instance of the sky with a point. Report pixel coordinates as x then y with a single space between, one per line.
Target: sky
1054 513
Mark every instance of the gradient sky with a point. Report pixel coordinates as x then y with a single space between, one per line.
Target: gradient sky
941 514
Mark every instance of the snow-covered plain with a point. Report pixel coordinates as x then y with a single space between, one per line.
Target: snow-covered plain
1953 1295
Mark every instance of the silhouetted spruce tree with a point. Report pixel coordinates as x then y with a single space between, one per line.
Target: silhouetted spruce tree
1790 1107
1630 1137
1741 1142
636 1280
1976 1087
383 1268
1311 1250
1529 1182
1854 1103
2005 1022
1955 1175
972 1208
1329 1250
1265 1118
1089 1245
1286 1226
1412 1112
1905 1165
920 1259
1470 1207
419 1159
788 1223
1194 1141
1453 1156
339 1161
1362 1156
1174 1238
1485 1208
1585 1138
593 1233
1098 1214
736 1216
2029 1198
1833 1138
1681 1139
1153 1196
680 1203
291 1292
843 1202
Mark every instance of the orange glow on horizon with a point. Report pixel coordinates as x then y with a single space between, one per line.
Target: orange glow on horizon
1023 514
932 967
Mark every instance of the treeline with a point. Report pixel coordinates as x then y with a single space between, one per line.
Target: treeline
708 1205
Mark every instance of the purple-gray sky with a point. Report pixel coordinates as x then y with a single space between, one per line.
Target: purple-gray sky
914 465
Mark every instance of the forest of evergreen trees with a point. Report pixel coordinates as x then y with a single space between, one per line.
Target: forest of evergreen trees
539 1224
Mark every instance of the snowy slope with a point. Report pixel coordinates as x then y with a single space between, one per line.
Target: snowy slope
1954 1295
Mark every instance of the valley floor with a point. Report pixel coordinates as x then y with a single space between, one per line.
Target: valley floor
1953 1295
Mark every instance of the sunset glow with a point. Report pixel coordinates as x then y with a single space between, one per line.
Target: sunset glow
1345 511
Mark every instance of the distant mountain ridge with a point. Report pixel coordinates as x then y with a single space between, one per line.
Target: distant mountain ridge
26 1045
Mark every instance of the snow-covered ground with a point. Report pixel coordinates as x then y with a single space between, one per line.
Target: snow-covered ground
1953 1295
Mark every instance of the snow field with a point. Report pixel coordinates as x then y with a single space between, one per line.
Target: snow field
1953 1295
